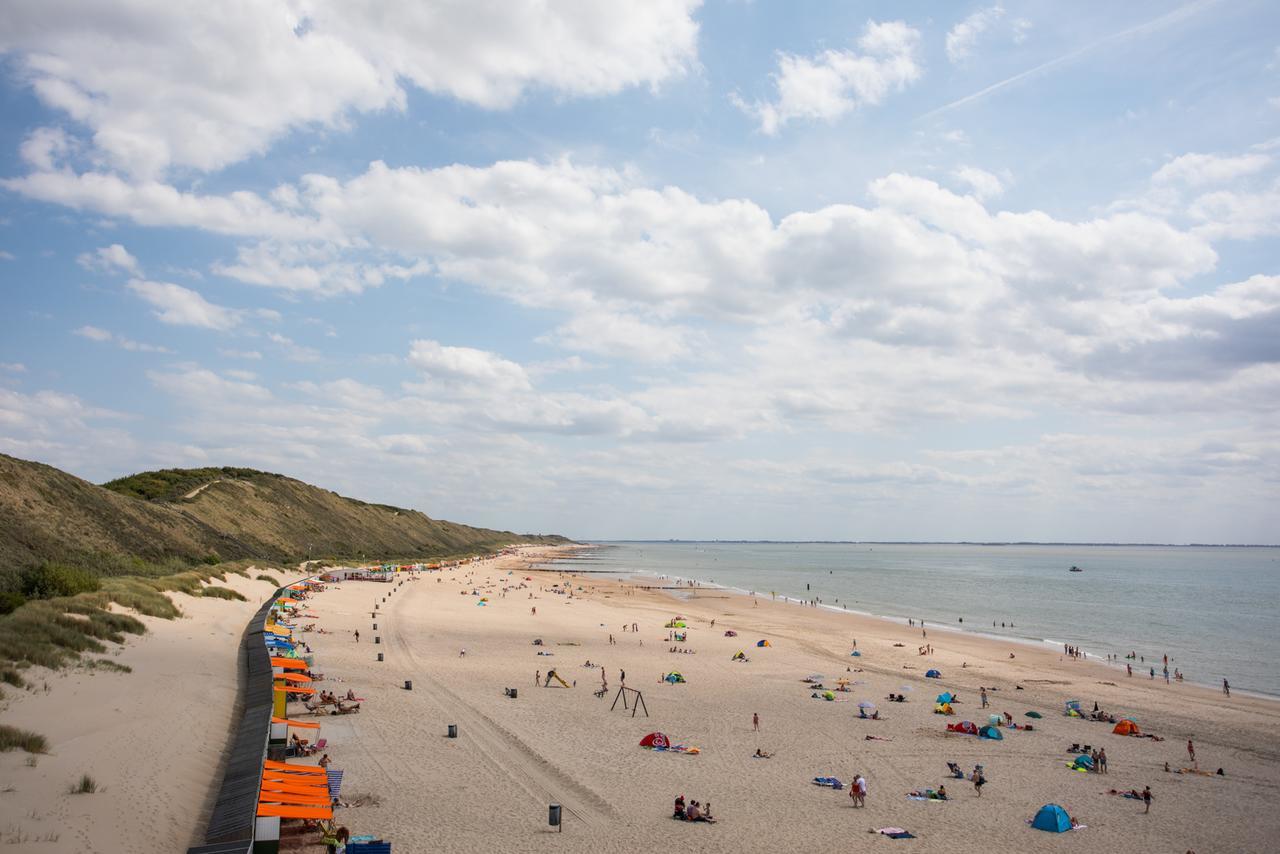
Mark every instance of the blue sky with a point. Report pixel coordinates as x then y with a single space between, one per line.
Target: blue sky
662 269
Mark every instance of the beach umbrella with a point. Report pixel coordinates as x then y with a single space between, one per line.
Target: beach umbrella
866 704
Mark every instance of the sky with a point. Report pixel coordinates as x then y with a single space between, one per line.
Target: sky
658 269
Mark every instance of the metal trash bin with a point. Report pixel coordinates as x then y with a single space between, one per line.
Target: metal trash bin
408 684
553 816
453 730
379 656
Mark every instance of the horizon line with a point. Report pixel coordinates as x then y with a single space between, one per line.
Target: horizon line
946 543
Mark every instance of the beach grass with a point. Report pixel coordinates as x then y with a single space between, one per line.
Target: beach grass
270 579
86 785
12 738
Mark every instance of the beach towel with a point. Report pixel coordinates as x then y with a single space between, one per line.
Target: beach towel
829 782
335 782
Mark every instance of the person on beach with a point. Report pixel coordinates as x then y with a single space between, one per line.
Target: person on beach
755 722
1226 688
357 636
983 693
537 677
1129 668
1102 761
860 789
979 780
1191 751
1146 799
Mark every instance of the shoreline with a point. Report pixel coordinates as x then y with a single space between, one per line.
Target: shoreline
1028 641
1048 648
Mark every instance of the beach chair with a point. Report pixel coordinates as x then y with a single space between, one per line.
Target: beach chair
335 782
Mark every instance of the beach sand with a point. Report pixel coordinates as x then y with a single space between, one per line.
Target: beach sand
489 788
152 739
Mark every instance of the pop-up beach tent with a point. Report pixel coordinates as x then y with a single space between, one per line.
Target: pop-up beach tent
655 739
944 697
933 674
966 727
763 643
1126 727
990 732
1052 818
673 677
1083 762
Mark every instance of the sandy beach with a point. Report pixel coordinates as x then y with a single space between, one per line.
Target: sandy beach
152 737
489 788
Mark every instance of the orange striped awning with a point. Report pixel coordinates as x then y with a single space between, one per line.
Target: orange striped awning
272 765
293 677
293 783
295 724
294 811
295 689
288 663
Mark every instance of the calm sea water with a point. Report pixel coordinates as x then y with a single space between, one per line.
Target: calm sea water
1214 611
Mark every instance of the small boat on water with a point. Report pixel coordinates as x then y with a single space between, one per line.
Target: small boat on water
1075 569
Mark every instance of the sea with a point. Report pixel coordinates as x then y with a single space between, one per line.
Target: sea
1214 610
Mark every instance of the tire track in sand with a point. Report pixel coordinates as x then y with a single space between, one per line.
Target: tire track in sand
506 752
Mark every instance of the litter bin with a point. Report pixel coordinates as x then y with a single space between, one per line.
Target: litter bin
453 730
553 816
513 693
379 656
408 684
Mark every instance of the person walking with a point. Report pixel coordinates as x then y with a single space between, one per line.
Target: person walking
755 722
979 780
860 787
357 636
1146 799
1191 751
1102 761
983 693
1226 687
537 677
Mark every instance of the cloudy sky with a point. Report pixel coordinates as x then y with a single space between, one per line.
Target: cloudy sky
658 269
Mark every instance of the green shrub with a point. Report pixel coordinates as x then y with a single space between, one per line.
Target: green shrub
10 601
222 593
57 579
12 738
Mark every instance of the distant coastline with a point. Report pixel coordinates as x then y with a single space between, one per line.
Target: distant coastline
946 543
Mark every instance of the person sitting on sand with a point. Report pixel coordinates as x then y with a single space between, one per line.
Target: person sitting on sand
324 761
679 810
942 793
760 754
693 813
351 694
955 770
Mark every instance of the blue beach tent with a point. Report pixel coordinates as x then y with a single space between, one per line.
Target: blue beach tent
1084 761
933 674
945 697
990 732
1052 818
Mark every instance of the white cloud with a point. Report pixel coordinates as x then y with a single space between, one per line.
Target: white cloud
964 36
835 82
181 306
466 368
109 258
983 183
163 83
13 368
240 354
292 350
94 333
1196 170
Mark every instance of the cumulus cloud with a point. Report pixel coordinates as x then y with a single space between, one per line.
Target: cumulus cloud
983 184
181 306
467 368
830 84
110 258
237 78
